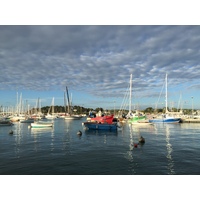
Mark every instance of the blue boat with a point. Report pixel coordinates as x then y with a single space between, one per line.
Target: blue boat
100 126
165 119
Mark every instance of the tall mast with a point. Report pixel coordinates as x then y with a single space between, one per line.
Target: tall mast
53 106
40 105
65 103
69 112
130 97
166 94
17 107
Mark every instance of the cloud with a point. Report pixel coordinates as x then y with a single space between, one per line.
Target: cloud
98 59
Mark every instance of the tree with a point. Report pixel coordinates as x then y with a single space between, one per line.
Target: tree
149 110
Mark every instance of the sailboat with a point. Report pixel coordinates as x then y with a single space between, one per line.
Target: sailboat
70 115
51 116
134 117
167 117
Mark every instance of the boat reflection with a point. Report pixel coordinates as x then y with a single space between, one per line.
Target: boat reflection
17 128
169 151
92 134
37 133
100 132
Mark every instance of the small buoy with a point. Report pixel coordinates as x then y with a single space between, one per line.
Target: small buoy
135 145
11 132
79 133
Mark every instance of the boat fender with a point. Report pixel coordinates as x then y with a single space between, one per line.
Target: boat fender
79 133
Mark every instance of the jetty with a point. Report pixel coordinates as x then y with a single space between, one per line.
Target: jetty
190 120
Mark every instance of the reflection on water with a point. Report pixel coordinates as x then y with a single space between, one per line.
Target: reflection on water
192 126
59 150
52 140
18 138
37 133
129 155
101 135
169 152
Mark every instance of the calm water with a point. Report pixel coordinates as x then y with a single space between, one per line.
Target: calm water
169 149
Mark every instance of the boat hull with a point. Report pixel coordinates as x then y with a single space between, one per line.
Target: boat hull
136 119
41 125
27 121
98 126
73 117
170 120
6 124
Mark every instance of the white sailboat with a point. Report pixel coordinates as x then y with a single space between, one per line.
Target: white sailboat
52 115
167 117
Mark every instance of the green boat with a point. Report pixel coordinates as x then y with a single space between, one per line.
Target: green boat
136 118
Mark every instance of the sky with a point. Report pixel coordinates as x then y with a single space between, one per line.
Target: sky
95 63
93 48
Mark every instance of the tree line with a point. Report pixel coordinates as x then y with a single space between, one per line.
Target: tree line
82 110
75 109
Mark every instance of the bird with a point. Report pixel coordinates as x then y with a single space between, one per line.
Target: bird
79 133
11 132
141 140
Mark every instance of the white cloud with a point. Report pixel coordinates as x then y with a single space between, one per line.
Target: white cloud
98 59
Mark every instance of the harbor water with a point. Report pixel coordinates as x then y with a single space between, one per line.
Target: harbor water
169 149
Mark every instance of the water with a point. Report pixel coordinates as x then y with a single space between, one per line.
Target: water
169 149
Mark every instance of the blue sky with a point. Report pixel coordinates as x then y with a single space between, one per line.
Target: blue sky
95 62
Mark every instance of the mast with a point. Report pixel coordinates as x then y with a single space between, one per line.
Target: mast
166 95
17 107
53 106
65 103
40 106
130 96
69 112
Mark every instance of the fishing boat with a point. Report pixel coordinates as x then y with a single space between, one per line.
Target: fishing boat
137 118
100 126
101 123
167 117
40 124
103 119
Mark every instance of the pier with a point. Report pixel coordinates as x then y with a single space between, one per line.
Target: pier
190 120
